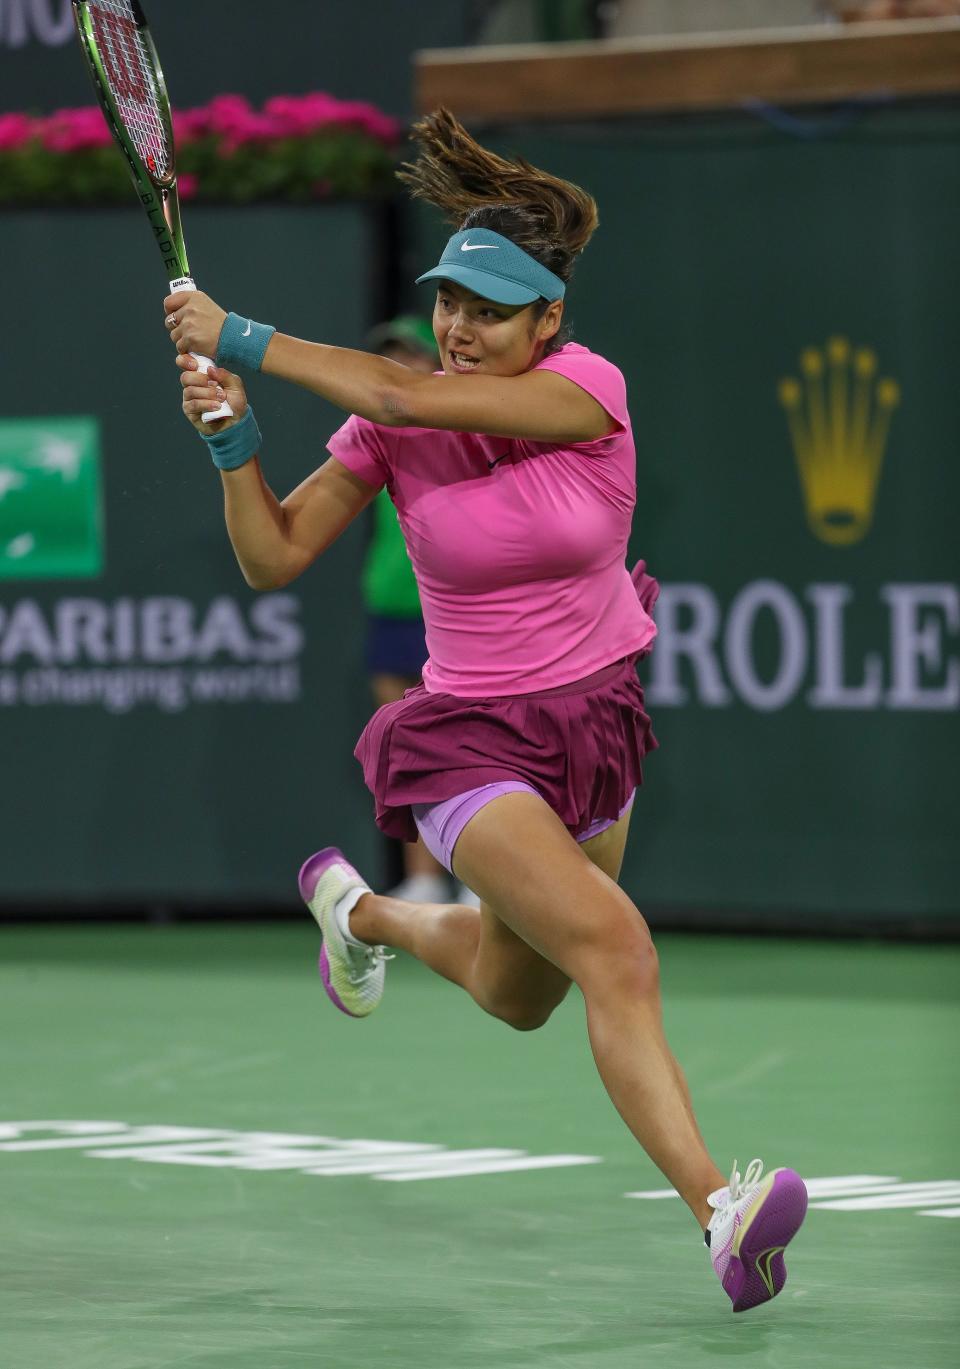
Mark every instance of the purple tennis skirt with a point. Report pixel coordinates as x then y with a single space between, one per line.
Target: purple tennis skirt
580 745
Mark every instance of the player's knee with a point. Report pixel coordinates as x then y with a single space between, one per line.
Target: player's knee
620 957
522 1014
523 1017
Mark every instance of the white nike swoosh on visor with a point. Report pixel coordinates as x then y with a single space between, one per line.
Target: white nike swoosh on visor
246 331
479 247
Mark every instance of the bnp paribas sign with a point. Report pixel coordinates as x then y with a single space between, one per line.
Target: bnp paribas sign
840 412
51 524
78 647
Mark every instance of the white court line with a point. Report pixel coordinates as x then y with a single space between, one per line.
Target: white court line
866 1193
851 1184
907 1195
495 1167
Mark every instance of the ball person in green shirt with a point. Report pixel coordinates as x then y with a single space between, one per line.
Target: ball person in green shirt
395 649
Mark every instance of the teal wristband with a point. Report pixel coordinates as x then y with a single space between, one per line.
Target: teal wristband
243 342
236 445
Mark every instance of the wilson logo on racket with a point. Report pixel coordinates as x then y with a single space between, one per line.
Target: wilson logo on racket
118 43
129 85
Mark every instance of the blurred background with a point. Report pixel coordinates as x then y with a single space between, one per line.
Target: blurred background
777 275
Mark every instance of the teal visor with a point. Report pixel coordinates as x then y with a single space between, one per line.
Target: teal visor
495 268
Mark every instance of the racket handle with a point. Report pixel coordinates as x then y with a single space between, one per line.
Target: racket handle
224 410
204 363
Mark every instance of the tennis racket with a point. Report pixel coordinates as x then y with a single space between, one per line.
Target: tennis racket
129 84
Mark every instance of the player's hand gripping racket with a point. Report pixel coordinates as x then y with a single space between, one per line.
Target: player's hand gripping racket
129 83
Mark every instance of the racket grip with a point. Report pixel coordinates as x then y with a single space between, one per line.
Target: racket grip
224 411
204 363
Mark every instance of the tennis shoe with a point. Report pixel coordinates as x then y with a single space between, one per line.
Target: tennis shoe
754 1221
353 976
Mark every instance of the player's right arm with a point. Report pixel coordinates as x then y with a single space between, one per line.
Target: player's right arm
274 540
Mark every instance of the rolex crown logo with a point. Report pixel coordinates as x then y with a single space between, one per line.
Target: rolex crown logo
839 417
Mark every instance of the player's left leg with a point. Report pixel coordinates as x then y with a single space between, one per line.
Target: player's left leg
606 850
754 1217
544 887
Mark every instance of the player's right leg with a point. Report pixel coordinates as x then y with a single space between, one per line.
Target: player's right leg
469 946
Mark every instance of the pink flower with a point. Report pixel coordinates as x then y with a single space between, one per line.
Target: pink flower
228 112
74 130
288 117
187 185
15 130
236 123
190 124
231 119
298 116
370 120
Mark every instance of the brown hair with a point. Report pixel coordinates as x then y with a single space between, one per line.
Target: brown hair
551 219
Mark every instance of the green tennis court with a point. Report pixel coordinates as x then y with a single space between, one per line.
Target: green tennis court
512 1241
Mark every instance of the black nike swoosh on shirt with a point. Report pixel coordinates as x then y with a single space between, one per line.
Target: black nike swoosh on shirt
497 459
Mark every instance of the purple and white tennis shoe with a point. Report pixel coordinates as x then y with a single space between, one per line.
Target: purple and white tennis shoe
352 973
754 1221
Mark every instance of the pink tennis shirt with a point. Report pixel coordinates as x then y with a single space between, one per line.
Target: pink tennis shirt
518 547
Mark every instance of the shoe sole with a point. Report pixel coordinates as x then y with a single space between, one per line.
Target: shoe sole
757 1272
309 877
334 997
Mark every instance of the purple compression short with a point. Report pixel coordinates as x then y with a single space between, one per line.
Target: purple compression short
440 824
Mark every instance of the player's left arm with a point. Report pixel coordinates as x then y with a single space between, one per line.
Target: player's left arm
540 406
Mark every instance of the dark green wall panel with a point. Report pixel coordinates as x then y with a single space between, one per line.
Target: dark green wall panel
206 801
726 249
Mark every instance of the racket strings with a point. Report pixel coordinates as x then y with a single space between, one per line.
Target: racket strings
133 83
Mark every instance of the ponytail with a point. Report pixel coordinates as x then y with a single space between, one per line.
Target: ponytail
551 219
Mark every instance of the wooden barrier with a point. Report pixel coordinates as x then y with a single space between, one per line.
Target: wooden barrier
696 72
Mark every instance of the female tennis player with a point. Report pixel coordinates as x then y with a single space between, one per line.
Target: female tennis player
517 757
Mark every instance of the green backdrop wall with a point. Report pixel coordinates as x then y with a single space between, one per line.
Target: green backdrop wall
169 735
806 684
805 691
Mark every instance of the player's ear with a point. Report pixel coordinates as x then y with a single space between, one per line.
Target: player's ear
549 325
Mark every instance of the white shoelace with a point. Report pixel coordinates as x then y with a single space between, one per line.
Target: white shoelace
373 957
738 1186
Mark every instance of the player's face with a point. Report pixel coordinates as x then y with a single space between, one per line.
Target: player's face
477 334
